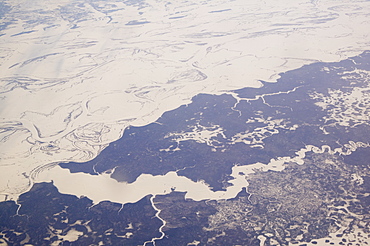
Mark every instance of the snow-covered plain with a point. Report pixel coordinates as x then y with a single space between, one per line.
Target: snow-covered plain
75 73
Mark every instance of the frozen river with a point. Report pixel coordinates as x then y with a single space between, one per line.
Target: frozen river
151 99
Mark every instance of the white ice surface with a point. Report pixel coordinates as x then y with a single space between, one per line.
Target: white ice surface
72 78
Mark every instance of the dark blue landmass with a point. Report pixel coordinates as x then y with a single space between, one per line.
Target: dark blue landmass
289 100
43 216
298 205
